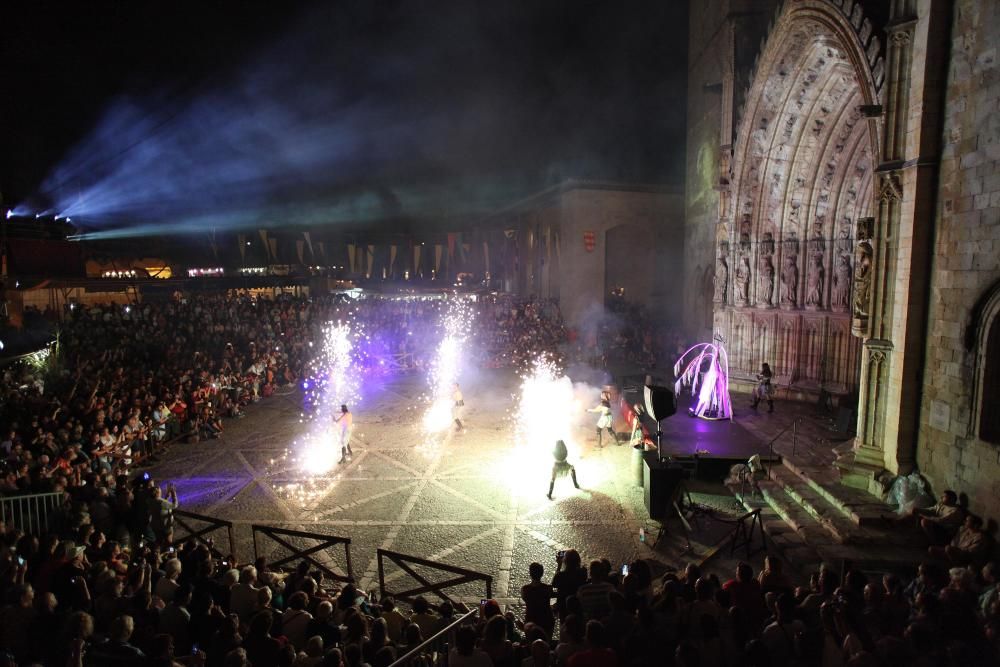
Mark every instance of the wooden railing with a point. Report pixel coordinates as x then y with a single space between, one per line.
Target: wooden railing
319 544
203 534
406 562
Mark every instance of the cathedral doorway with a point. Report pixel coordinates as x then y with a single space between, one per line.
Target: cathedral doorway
800 188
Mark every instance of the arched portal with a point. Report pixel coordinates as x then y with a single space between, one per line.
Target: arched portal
802 174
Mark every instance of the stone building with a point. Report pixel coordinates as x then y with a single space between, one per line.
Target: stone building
580 240
843 193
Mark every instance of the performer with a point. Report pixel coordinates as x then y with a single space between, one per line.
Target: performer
457 408
764 390
561 466
638 437
604 421
345 420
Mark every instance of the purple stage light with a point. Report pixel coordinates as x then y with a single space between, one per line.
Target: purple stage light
706 373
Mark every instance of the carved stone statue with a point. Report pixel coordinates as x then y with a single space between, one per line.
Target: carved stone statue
814 283
766 284
767 244
845 244
721 280
842 284
742 285
862 281
790 281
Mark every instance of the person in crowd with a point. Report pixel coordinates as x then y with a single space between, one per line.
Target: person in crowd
537 598
971 545
424 617
261 648
569 576
395 620
939 522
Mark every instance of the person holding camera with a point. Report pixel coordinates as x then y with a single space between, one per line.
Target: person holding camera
162 513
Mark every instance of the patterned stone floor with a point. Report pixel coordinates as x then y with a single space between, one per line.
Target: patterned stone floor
472 500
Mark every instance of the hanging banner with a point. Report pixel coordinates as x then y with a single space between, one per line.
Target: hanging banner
359 258
309 242
350 256
451 245
416 259
438 249
274 248
371 258
241 240
392 258
300 247
589 241
263 237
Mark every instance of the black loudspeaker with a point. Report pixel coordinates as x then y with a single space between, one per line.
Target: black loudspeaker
659 484
659 401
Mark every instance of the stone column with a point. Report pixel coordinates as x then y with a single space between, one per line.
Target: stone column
890 302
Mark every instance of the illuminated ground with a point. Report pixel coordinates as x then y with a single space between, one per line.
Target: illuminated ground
471 501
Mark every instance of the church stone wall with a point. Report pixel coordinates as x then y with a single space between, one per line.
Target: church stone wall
724 39
967 261
707 51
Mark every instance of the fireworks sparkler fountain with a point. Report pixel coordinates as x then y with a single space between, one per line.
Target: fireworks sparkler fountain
446 368
706 372
550 407
333 379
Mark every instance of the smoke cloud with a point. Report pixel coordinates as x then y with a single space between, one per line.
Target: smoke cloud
352 116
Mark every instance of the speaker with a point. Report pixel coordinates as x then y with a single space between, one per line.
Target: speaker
659 401
659 484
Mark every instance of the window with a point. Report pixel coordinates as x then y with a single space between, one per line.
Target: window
989 395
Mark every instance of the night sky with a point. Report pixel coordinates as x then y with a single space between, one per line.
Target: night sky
440 105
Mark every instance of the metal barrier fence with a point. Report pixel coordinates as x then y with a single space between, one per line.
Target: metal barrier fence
202 534
405 561
437 644
29 513
322 543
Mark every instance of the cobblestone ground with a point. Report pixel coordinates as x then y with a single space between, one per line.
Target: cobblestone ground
471 500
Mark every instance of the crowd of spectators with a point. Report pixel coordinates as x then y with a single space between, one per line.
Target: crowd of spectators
625 334
107 585
76 598
127 377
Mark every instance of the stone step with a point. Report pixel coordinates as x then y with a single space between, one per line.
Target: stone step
796 516
860 507
782 539
815 504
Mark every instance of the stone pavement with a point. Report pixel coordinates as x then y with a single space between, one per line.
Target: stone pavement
473 500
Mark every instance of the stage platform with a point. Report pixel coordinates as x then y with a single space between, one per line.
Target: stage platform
716 445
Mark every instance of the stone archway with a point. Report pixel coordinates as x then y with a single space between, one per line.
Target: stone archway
801 180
